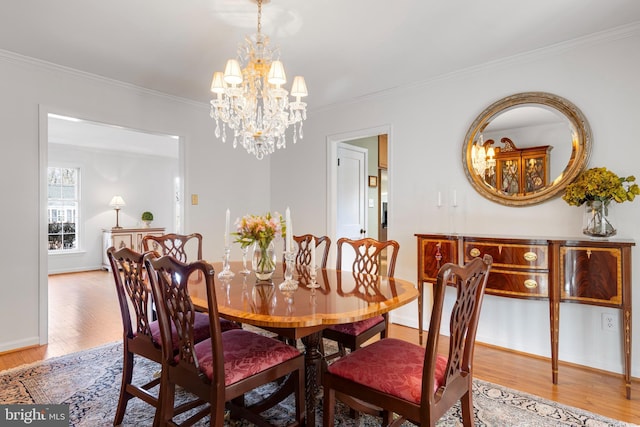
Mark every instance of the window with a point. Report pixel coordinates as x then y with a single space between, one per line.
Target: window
63 192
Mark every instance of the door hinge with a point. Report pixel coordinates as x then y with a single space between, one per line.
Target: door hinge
338 161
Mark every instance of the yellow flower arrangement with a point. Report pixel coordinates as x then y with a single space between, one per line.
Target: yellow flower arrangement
600 184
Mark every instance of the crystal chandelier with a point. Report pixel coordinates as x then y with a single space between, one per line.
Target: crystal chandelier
483 158
252 101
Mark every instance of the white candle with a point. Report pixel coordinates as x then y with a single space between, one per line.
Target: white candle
313 253
226 229
289 240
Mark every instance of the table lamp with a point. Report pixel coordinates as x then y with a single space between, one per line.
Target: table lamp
117 202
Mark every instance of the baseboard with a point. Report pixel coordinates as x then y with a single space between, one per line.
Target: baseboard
11 346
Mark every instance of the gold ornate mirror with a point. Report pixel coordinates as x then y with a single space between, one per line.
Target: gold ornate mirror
526 148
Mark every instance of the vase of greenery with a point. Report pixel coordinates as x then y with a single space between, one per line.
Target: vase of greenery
147 217
596 189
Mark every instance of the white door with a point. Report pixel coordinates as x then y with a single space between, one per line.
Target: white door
351 191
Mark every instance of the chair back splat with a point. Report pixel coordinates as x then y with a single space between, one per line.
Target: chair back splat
179 246
303 256
392 376
219 370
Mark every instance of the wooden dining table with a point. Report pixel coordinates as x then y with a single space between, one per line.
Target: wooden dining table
340 297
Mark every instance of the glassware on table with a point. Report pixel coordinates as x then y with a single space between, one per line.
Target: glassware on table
226 273
313 271
289 284
245 271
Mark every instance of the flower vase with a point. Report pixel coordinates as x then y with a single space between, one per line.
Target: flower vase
263 260
597 221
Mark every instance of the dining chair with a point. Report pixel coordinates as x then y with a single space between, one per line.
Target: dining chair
222 369
418 384
141 334
368 260
178 246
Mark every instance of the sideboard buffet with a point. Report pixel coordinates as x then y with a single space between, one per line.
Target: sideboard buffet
583 271
125 237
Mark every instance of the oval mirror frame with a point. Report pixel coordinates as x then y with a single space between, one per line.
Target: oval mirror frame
581 147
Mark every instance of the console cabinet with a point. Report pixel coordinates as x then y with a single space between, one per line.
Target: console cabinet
579 271
125 237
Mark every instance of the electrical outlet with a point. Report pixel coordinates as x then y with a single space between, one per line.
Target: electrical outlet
610 322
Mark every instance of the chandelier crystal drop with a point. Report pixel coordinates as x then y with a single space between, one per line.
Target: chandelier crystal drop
251 101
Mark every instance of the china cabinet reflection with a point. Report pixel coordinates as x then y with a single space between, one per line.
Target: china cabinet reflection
521 170
593 272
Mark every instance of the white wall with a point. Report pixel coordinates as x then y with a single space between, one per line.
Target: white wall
146 183
221 176
428 123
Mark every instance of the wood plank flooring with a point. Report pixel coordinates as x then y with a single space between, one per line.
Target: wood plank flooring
83 313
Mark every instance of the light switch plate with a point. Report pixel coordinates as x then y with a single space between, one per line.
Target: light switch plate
194 199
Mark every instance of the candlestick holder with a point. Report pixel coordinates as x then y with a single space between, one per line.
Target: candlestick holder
312 276
289 284
245 271
226 272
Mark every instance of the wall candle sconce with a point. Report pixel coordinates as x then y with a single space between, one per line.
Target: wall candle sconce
117 202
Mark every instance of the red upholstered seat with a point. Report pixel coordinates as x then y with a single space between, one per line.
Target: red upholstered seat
356 328
401 381
392 366
245 354
200 329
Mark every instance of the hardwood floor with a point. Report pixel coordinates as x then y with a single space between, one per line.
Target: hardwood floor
83 313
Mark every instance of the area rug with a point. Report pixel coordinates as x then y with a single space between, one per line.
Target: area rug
89 383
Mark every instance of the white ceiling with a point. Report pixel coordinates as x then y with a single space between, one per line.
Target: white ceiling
345 49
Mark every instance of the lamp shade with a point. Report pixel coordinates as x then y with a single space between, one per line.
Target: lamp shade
299 88
276 73
117 202
233 72
217 83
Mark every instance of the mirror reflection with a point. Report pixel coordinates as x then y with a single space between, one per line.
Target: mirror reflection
526 148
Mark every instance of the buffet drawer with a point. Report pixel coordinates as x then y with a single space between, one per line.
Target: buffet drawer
434 253
518 284
509 255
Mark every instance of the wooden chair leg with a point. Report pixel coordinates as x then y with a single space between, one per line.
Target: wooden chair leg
467 408
127 375
164 413
328 411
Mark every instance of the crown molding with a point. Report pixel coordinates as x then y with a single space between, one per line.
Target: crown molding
616 33
16 58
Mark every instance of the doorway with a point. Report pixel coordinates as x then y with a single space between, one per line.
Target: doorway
69 140
373 182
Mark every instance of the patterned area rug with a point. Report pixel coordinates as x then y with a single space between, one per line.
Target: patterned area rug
89 383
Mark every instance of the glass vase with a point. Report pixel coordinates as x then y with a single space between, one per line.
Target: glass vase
263 260
597 220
